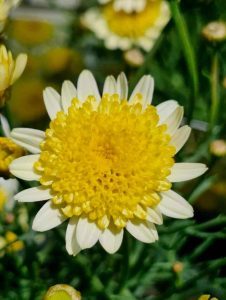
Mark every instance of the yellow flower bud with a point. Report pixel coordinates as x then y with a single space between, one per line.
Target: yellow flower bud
215 31
10 70
62 292
134 57
178 267
15 244
218 148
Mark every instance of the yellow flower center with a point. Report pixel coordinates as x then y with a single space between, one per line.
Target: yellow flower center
135 24
8 152
106 161
3 198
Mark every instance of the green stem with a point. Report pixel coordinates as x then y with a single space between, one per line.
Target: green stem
202 248
214 91
125 267
219 220
188 53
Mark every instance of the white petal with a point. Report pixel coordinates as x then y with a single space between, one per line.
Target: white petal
22 167
186 171
110 86
87 86
47 218
27 138
174 119
20 65
175 206
111 240
72 245
165 109
154 216
122 86
5 125
180 137
52 102
145 87
142 231
34 194
68 93
87 233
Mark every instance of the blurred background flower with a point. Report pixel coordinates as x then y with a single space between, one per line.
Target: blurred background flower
123 30
5 7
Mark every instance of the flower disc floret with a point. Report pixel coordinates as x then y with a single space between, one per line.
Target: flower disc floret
107 161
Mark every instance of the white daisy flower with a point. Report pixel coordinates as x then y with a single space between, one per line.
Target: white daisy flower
128 6
105 164
123 30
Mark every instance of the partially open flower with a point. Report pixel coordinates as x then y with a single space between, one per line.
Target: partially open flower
123 30
5 7
105 164
10 70
215 31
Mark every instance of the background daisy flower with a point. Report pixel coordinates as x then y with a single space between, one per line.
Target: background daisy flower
105 164
123 30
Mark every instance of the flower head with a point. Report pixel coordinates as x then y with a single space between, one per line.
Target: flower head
10 70
123 30
105 163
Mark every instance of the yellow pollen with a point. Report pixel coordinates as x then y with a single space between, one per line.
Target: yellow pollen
134 24
8 152
106 161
